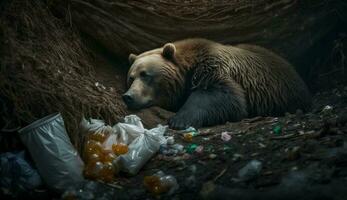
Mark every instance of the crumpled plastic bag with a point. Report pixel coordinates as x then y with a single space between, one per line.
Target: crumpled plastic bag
56 159
142 143
17 175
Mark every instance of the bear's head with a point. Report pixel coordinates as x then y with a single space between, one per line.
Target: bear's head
154 79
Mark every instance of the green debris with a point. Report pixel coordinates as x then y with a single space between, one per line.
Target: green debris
277 129
191 148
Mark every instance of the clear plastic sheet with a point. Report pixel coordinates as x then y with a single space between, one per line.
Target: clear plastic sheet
56 159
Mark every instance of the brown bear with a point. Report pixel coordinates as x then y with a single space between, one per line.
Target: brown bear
209 83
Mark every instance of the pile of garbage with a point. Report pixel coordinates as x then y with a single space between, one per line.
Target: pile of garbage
124 147
107 151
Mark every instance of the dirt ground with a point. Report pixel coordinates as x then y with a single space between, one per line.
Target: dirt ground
302 155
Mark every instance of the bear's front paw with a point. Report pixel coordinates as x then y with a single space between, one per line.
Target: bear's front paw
180 122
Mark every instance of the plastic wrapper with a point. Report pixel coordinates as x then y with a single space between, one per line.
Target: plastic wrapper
56 159
17 175
160 183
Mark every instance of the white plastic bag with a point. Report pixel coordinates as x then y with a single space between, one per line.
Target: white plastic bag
142 143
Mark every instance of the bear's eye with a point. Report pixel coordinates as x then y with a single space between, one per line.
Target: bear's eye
143 74
131 79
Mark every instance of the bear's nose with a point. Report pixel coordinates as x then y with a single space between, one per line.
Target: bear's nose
127 98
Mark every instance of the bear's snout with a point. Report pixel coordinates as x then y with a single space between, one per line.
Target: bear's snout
128 98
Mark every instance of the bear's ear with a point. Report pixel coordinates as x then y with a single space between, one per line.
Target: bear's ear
169 50
132 58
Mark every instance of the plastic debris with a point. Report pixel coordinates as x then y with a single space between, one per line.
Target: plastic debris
56 159
225 136
188 137
199 149
170 140
160 183
191 148
189 133
89 190
126 146
327 108
17 175
277 129
250 171
178 147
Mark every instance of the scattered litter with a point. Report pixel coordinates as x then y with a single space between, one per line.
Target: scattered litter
160 183
327 109
199 149
17 175
191 148
178 147
56 159
277 129
250 171
225 136
189 133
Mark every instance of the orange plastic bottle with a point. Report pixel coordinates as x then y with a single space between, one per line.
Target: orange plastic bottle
93 147
92 170
154 185
108 156
120 149
107 172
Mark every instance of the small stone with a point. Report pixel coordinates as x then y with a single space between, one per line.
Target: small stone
190 182
212 156
294 153
250 171
237 157
193 168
